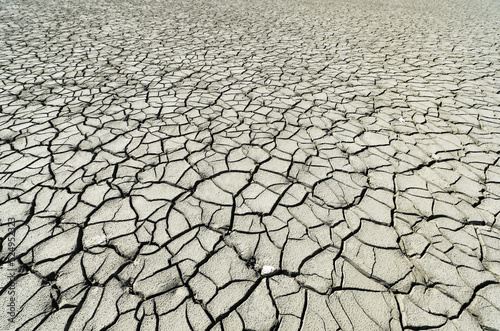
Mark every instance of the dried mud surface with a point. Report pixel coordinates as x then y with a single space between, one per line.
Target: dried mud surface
250 165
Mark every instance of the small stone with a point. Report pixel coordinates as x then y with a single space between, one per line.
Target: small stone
267 269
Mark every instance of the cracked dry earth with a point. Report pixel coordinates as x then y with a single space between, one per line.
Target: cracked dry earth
250 165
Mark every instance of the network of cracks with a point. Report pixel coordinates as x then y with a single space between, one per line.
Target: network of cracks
234 165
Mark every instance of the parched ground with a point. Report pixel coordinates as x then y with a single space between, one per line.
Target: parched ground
250 165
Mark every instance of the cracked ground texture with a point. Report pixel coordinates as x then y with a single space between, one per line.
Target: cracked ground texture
250 165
